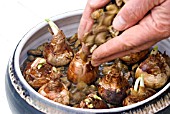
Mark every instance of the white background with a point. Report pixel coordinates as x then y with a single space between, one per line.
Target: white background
19 16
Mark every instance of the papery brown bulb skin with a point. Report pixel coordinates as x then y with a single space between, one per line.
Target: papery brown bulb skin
137 96
92 101
37 77
155 71
56 91
134 57
112 87
153 81
79 70
58 52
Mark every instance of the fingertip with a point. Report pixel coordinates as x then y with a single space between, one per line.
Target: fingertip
93 57
131 13
119 23
94 63
80 33
85 25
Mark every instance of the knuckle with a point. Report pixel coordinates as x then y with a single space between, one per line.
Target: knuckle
160 16
161 27
131 13
126 44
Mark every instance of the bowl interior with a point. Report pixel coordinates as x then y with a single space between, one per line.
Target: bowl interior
69 23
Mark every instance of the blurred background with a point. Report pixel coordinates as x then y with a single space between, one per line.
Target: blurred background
18 17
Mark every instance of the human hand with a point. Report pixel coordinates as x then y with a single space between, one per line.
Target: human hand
145 23
86 21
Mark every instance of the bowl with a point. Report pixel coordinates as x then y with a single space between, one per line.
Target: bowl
24 99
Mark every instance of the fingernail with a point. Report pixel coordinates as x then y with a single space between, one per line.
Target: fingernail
119 23
94 63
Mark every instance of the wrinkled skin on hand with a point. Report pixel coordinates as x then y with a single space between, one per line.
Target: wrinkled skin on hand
81 70
58 53
144 22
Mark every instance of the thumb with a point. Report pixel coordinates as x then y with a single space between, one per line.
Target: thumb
132 12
